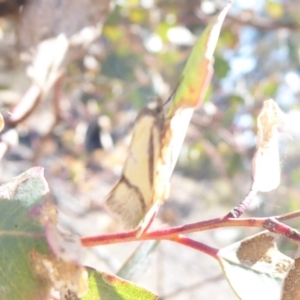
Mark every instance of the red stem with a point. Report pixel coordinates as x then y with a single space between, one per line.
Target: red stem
183 240
242 207
172 233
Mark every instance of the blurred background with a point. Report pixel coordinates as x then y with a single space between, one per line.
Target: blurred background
73 78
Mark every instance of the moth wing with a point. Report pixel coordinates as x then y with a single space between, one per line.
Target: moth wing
124 201
142 158
132 197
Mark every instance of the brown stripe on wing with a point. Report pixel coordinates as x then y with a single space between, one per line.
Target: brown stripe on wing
137 190
151 152
126 204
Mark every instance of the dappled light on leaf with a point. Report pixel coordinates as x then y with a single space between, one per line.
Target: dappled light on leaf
254 267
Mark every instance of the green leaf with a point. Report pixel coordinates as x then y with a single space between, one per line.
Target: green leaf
19 234
138 261
221 67
195 79
103 286
254 267
198 70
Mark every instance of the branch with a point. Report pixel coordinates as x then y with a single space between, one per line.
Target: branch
242 207
183 240
271 223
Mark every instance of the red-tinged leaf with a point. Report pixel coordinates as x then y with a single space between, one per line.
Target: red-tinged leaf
29 270
195 80
103 286
254 267
198 70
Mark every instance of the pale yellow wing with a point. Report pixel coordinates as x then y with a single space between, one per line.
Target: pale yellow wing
132 197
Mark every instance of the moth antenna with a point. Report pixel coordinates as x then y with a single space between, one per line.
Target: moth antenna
174 91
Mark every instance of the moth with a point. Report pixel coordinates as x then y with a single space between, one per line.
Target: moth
144 183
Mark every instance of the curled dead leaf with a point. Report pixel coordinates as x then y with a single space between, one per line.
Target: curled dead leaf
291 284
266 163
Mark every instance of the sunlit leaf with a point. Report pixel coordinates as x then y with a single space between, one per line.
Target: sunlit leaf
195 80
254 267
199 67
103 286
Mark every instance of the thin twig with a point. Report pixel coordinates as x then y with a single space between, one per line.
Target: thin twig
242 207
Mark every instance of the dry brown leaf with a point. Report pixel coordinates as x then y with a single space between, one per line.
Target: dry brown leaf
262 249
291 284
